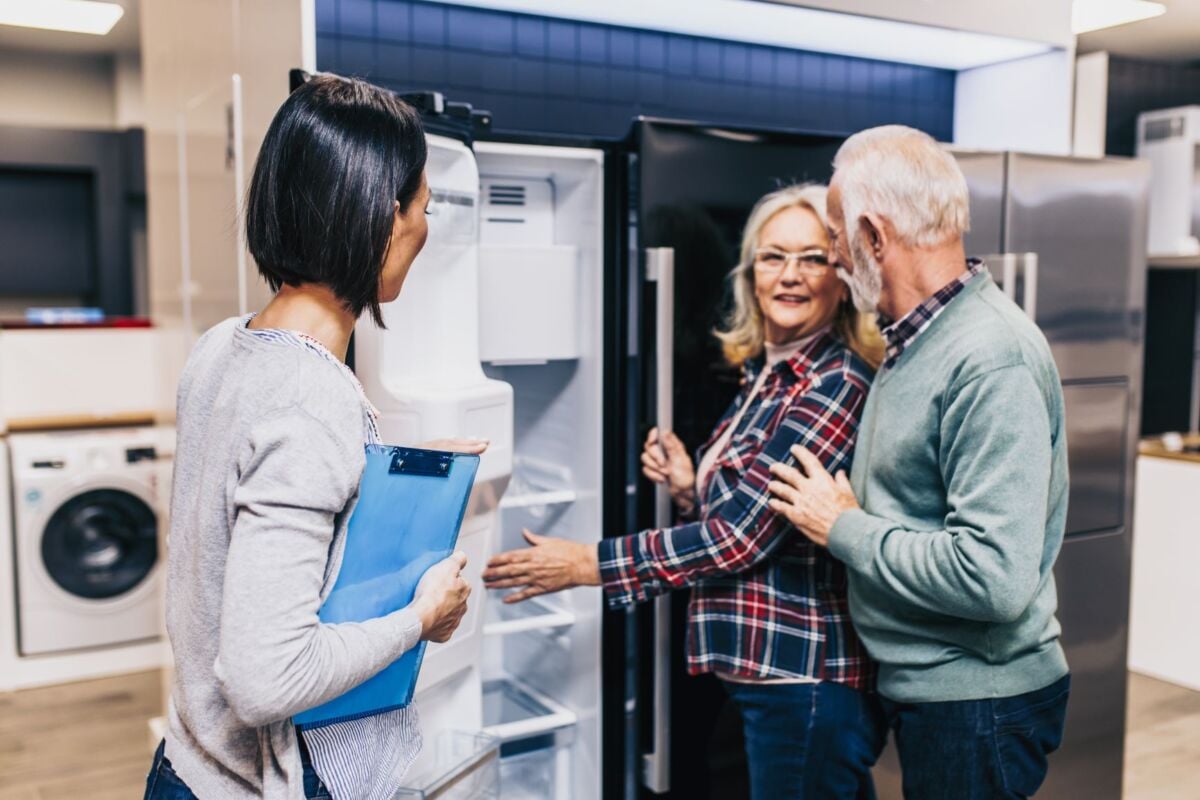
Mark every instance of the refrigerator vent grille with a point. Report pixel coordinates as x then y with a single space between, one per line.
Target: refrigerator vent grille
506 195
1166 128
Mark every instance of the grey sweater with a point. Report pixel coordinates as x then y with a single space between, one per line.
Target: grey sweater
267 467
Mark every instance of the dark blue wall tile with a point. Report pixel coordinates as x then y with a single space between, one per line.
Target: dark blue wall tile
562 40
735 62
358 57
530 76
393 20
622 85
552 75
356 18
327 23
464 28
681 55
622 47
392 60
762 65
429 24
561 79
329 55
531 36
652 51
788 69
499 74
593 44
651 87
708 59
593 82
464 69
429 66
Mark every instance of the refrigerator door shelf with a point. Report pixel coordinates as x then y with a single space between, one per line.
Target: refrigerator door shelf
537 483
514 711
531 615
459 766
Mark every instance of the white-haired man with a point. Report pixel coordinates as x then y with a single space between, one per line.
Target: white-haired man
954 512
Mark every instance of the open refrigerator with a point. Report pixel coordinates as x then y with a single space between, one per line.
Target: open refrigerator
498 334
561 306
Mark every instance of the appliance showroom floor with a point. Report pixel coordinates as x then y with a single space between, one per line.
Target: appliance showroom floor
90 740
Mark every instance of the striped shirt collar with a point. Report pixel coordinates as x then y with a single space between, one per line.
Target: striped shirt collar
900 335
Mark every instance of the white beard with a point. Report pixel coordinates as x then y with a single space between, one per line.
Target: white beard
866 282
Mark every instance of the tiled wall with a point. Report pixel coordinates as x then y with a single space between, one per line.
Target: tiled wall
1135 86
548 75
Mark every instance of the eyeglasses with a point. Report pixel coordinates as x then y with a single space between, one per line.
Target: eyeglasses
813 263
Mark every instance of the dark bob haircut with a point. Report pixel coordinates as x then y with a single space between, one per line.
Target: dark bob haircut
339 153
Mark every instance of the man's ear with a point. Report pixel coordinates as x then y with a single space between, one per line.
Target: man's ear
874 233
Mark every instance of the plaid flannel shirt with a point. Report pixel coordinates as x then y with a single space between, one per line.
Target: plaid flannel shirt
902 333
766 602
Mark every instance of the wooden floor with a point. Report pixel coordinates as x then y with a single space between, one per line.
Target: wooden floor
90 740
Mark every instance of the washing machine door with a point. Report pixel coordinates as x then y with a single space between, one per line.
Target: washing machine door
100 543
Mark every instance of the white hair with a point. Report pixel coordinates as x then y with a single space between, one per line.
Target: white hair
906 177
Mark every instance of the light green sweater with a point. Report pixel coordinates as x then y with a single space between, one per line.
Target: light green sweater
961 471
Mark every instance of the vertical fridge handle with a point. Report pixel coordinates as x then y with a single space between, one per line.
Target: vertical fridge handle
1029 302
656 764
1008 283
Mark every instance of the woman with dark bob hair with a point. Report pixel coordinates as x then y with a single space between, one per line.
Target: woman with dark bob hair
272 426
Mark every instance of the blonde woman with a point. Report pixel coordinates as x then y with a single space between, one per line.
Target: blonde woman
768 612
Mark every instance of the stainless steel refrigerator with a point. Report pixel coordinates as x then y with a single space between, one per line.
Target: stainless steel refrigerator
1066 238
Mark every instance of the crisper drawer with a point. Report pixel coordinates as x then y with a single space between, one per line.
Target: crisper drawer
458 766
1097 437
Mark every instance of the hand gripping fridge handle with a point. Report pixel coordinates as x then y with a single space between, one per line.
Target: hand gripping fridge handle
656 764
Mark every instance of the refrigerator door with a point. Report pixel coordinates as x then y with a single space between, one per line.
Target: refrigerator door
984 172
1086 220
691 188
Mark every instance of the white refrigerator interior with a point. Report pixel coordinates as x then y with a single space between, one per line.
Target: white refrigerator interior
497 334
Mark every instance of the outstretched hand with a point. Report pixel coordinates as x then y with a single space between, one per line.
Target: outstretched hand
811 500
547 565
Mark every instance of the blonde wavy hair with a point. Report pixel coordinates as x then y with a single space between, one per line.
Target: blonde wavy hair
743 335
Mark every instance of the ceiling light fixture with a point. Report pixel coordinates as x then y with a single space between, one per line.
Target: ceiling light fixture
74 16
793 27
1093 15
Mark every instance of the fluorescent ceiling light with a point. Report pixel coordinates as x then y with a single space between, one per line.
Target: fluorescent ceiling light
1092 15
782 25
75 16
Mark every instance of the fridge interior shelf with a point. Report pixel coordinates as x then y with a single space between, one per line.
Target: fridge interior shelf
538 483
513 710
459 766
530 615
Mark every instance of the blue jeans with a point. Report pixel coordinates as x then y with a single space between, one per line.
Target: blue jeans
809 740
163 784
979 749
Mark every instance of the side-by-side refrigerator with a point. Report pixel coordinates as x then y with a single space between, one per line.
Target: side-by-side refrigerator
564 304
1066 238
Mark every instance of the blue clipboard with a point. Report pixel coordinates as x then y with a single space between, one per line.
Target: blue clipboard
410 507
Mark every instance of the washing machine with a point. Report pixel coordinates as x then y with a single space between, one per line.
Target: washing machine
86 511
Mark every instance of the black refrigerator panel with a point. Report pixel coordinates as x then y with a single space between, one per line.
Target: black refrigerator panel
695 188
691 189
